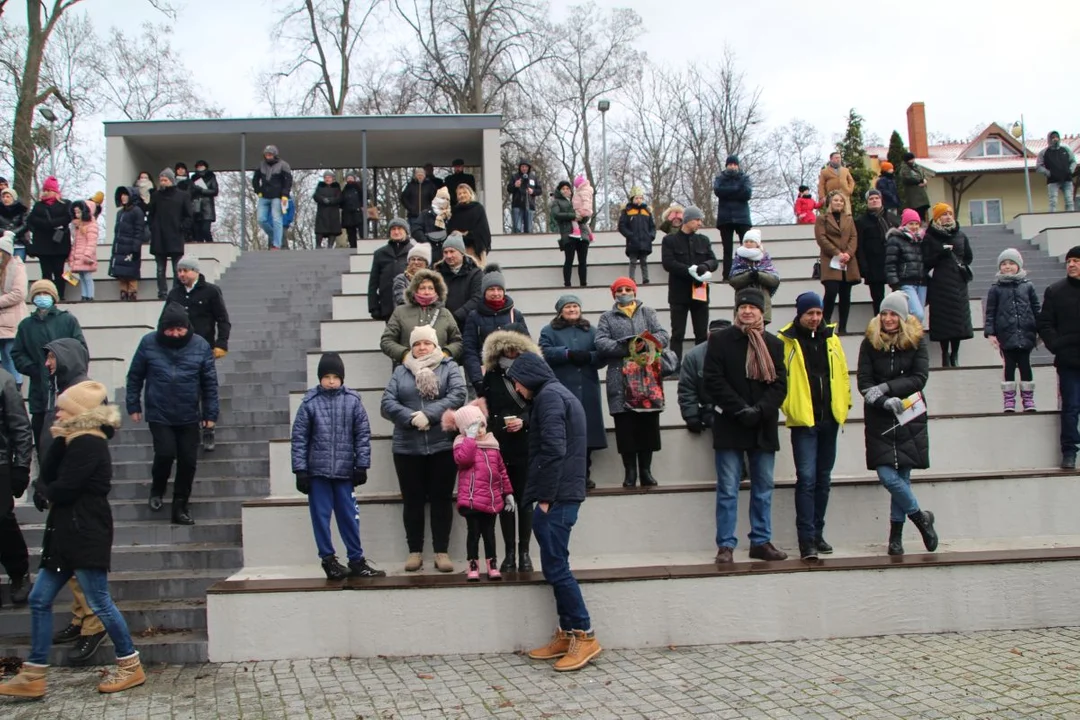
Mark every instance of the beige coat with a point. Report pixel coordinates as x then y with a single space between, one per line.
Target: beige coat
830 180
833 239
13 299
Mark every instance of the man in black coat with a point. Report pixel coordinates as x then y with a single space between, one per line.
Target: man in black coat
748 396
523 189
17 446
352 209
872 227
688 257
387 263
458 177
169 214
1059 328
416 196
203 189
463 278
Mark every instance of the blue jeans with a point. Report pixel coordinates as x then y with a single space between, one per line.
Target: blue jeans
1069 387
815 455
521 220
729 467
334 496
898 483
5 359
1066 190
269 217
95 585
86 282
552 531
916 298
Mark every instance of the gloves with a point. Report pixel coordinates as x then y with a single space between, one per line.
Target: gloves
420 421
894 405
20 480
479 388
303 483
876 393
219 353
695 426
40 501
359 476
510 504
749 417
706 276
473 430
579 357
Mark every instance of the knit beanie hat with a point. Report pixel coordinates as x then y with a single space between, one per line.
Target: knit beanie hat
423 332
44 287
398 222
561 185
493 277
752 235
886 166
692 212
579 181
567 299
873 192
420 250
939 210
896 302
331 364
623 282
10 191
82 398
807 301
7 242
1074 252
188 262
168 174
98 197
732 160
909 156
1011 254
270 150
910 216
716 325
636 191
455 241
750 296
51 184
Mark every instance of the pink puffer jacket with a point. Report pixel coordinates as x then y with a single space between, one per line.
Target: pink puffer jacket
482 478
84 240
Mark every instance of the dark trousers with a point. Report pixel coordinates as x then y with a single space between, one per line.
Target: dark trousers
552 530
52 268
479 524
517 527
699 315
727 239
833 289
37 424
427 479
922 210
352 234
1069 389
179 443
13 553
201 230
877 294
581 249
815 454
330 239
162 285
1017 360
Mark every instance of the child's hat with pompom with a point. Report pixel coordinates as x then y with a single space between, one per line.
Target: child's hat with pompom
462 418
579 180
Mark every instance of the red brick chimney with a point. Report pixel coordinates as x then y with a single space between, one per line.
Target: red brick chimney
916 130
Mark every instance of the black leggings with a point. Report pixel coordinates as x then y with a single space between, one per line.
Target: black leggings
479 524
52 268
1017 359
877 294
833 288
352 232
727 237
570 248
521 521
950 351
427 479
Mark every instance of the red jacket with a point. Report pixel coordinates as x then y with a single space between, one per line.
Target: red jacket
482 478
804 210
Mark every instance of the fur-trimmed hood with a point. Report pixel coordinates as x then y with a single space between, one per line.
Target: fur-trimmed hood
422 275
911 332
92 422
498 342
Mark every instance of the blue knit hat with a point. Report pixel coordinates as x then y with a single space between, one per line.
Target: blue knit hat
807 301
565 300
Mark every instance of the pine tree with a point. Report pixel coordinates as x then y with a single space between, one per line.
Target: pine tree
896 157
854 156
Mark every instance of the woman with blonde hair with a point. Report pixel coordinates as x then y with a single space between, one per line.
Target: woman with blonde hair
470 219
835 234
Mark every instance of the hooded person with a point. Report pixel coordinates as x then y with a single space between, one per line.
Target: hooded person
523 189
175 367
272 183
1057 163
431 228
806 207
130 232
638 228
754 268
495 311
84 241
424 306
672 218
583 208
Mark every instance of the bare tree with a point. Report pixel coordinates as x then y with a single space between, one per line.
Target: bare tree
650 137
799 155
142 81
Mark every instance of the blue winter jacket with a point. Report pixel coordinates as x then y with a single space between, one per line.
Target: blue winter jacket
402 398
558 436
1011 308
331 435
733 192
176 376
890 194
480 323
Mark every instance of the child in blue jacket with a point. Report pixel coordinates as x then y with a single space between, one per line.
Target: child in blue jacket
331 454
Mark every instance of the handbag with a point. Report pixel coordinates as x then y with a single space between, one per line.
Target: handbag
815 274
643 375
58 235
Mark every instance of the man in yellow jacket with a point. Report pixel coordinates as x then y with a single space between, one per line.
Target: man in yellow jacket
817 404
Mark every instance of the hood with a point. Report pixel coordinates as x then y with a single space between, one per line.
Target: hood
86 209
900 233
498 342
72 362
174 314
524 162
103 418
131 192
531 370
419 277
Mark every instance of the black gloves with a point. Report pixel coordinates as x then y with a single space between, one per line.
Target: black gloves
303 483
20 480
749 417
359 476
479 388
695 426
579 357
40 501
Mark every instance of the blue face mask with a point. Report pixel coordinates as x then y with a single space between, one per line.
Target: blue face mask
624 299
43 302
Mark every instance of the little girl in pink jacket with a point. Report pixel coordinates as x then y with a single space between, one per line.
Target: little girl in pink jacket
484 488
83 256
583 206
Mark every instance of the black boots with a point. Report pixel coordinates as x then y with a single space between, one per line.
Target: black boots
635 462
525 562
629 462
924 521
645 467
509 563
333 569
808 550
181 515
896 538
20 589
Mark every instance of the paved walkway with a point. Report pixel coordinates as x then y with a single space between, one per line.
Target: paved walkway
1029 674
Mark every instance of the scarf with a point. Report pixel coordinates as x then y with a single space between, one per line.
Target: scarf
947 229
750 254
487 440
1015 279
627 310
423 371
48 200
145 186
441 208
496 305
425 300
759 364
560 323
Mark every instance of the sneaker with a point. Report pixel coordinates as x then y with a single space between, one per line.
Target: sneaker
208 439
361 568
583 648
129 674
473 574
823 547
493 570
333 569
69 634
155 503
29 683
556 648
414 562
85 647
767 551
808 551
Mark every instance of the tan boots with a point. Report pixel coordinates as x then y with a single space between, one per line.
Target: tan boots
129 674
29 683
574 650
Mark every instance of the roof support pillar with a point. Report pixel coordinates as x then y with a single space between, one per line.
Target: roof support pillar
491 195
243 192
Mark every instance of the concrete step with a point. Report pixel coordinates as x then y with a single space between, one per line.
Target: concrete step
173 647
223 253
224 451
144 312
154 532
207 468
224 433
1028 225
210 268
203 556
254 404
140 615
202 507
211 487
230 417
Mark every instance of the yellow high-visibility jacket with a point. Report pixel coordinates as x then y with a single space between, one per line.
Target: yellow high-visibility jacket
798 407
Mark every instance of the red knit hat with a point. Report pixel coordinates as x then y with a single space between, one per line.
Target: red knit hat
623 282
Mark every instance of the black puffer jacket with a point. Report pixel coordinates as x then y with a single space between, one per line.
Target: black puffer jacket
904 263
872 228
947 289
50 229
905 370
13 219
1011 308
130 231
1059 322
352 205
636 224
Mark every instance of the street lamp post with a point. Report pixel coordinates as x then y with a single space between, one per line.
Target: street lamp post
50 117
1018 131
604 106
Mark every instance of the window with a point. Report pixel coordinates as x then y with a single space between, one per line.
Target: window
985 212
992 147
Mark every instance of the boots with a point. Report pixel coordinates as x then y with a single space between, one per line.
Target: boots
896 538
29 683
414 562
1027 395
629 462
556 648
473 573
20 589
1008 393
509 563
945 357
443 563
583 648
493 570
129 674
645 467
924 520
334 570
181 515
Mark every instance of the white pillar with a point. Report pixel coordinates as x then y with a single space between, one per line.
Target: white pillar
120 170
491 194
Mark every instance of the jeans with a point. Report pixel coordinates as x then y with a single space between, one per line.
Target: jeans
552 530
916 298
334 496
95 583
815 454
86 282
898 483
1066 190
162 283
1069 389
5 359
269 218
179 443
729 470
521 220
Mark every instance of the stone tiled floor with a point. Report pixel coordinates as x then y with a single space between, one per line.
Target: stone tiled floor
1024 674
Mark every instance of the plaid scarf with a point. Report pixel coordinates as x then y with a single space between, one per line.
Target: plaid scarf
759 364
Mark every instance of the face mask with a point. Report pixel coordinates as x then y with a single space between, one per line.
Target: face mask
424 300
505 363
43 302
624 299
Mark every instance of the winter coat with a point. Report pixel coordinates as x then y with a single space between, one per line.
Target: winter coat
416 197
680 250
806 210
733 191
331 435
947 290
13 292
13 219
203 204
394 342
273 180
425 230
694 402
582 199
503 399
328 213
1057 164
470 219
462 288
170 212
636 224
1012 306
558 441
830 179
180 379
890 194
557 340
352 205
401 399
871 229
1059 322
482 322
905 370
16 436
387 263
747 272
805 405
915 196
72 362
482 480
130 231
28 352
76 476
519 196
451 181
731 391
401 284
904 262
613 334
50 229
563 213
834 237
206 310
83 255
